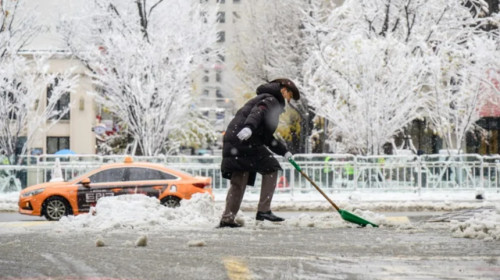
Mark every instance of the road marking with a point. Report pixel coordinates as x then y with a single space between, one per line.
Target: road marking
398 219
236 269
22 224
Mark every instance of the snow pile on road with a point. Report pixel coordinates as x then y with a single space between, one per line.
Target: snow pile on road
484 225
332 219
380 201
143 213
8 201
374 201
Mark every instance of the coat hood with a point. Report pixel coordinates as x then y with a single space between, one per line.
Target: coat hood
274 90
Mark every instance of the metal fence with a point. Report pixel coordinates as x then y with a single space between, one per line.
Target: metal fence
334 172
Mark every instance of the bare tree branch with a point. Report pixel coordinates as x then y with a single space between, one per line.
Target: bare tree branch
154 6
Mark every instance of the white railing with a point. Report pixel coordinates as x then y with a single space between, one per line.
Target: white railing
333 172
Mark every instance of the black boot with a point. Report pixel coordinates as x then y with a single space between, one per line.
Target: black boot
268 215
224 224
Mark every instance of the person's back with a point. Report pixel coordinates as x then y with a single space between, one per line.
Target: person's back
232 145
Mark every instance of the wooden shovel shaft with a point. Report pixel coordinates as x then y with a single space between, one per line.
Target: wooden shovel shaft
320 190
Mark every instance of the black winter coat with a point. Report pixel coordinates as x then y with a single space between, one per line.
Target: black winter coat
261 115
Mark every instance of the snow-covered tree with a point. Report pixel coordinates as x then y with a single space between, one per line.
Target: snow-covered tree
367 84
463 52
371 64
269 45
24 110
142 56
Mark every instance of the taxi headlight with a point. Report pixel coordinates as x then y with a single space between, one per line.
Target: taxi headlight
32 193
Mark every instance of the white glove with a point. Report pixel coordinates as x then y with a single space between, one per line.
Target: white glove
244 134
288 156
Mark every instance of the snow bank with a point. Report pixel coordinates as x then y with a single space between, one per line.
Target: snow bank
8 201
143 213
484 225
146 214
332 219
377 201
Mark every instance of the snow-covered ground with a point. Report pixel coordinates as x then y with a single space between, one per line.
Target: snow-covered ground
8 201
143 213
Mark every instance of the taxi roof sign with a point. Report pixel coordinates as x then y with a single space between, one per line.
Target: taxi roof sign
128 159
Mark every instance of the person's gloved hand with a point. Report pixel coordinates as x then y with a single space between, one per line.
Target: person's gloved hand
288 156
244 134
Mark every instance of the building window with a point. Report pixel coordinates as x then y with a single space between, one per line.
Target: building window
218 76
220 115
205 92
12 104
21 141
55 144
203 16
218 93
221 36
61 105
206 79
221 57
221 1
10 100
221 17
236 1
236 17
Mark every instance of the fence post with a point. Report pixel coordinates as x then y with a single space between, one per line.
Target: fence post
419 175
356 171
481 174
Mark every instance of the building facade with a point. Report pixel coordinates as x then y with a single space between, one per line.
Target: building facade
76 131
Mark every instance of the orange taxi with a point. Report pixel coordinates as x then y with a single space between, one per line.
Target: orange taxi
57 199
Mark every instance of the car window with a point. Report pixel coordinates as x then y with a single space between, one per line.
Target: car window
108 175
141 174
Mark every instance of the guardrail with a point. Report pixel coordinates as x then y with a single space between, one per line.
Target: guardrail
333 172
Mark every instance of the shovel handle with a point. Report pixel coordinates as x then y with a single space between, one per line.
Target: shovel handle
314 184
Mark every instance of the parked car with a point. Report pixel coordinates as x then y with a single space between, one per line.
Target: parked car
57 199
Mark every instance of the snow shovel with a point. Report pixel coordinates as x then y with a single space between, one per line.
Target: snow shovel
346 215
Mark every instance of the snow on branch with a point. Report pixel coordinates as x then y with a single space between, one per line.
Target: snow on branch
375 66
142 57
24 111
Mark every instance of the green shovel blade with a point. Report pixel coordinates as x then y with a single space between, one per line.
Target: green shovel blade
350 217
347 216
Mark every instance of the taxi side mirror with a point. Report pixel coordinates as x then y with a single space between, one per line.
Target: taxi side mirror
86 182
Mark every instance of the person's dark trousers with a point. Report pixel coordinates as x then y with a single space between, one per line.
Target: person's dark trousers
267 191
235 196
237 190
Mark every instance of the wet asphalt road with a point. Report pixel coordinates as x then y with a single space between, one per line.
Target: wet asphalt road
13 216
31 250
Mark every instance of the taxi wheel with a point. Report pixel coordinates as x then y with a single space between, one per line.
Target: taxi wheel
55 208
171 201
